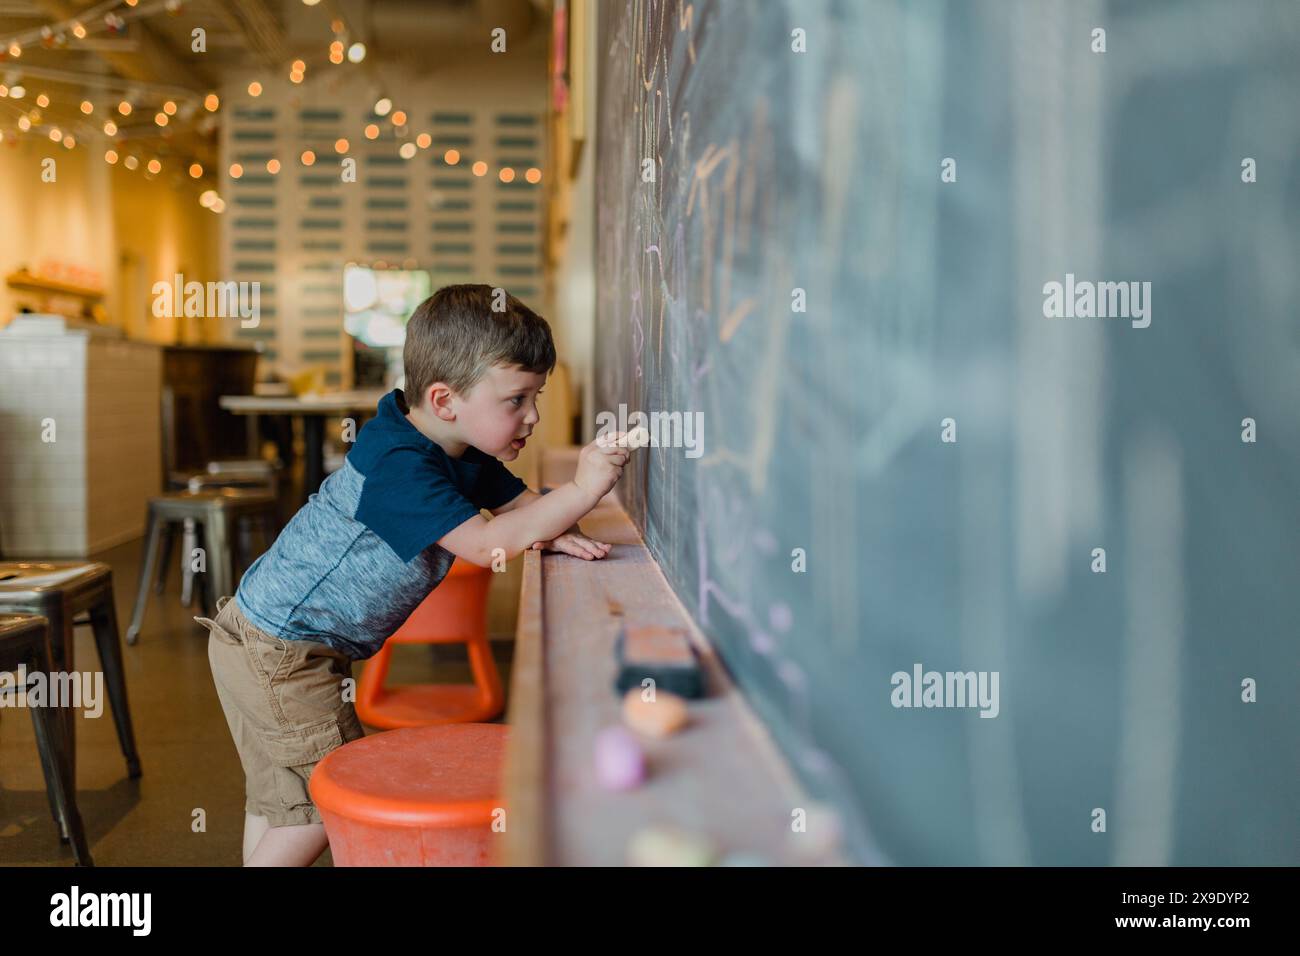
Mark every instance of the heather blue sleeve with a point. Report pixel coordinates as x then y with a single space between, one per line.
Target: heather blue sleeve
496 486
410 501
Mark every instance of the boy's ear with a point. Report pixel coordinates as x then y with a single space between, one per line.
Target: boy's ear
439 399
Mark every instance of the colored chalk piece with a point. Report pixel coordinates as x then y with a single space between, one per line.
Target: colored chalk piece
620 761
662 716
669 846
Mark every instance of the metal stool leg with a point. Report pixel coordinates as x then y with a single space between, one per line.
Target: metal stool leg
207 600
146 575
54 762
168 539
103 618
189 542
217 530
243 557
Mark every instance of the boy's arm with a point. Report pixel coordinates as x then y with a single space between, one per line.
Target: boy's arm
523 498
516 528
518 501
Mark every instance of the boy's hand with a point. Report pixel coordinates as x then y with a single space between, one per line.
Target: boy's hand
599 468
576 543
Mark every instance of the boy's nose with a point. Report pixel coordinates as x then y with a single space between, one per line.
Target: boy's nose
533 416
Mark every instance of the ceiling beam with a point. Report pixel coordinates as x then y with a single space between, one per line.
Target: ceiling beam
154 61
263 32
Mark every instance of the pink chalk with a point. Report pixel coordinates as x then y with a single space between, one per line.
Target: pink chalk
620 761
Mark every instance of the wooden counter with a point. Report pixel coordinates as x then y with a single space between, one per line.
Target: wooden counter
721 777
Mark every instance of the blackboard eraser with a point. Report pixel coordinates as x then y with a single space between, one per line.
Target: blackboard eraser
662 654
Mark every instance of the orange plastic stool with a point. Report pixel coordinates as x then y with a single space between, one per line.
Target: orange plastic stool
454 613
422 796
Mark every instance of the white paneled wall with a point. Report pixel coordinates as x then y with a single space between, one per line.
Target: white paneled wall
88 489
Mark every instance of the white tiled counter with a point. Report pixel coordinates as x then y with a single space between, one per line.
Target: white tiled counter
88 489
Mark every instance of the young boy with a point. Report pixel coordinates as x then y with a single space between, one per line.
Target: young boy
380 534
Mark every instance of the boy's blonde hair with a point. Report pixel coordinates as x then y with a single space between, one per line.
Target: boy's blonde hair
455 336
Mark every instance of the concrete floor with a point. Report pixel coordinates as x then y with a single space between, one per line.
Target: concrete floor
186 752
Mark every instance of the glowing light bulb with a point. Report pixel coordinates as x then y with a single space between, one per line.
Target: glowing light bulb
211 102
479 168
272 166
423 140
372 131
110 157
308 157
452 157
255 88
357 52
195 170
236 170
407 150
534 175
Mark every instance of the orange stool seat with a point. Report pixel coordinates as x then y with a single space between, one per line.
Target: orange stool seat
455 612
421 796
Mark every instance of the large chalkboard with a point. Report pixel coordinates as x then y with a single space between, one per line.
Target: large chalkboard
945 455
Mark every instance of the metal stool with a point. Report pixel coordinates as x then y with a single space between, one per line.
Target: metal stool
255 473
216 513
59 591
25 642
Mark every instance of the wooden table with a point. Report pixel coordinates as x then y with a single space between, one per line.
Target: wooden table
721 777
312 410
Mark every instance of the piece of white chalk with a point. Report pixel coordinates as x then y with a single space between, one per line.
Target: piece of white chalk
638 437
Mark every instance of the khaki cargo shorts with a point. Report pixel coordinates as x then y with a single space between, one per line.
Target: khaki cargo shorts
284 703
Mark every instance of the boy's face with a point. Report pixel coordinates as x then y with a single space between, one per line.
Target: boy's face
499 412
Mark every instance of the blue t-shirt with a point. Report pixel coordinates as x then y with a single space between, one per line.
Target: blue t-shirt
359 557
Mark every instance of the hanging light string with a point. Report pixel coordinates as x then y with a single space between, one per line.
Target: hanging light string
89 21
103 14
102 81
